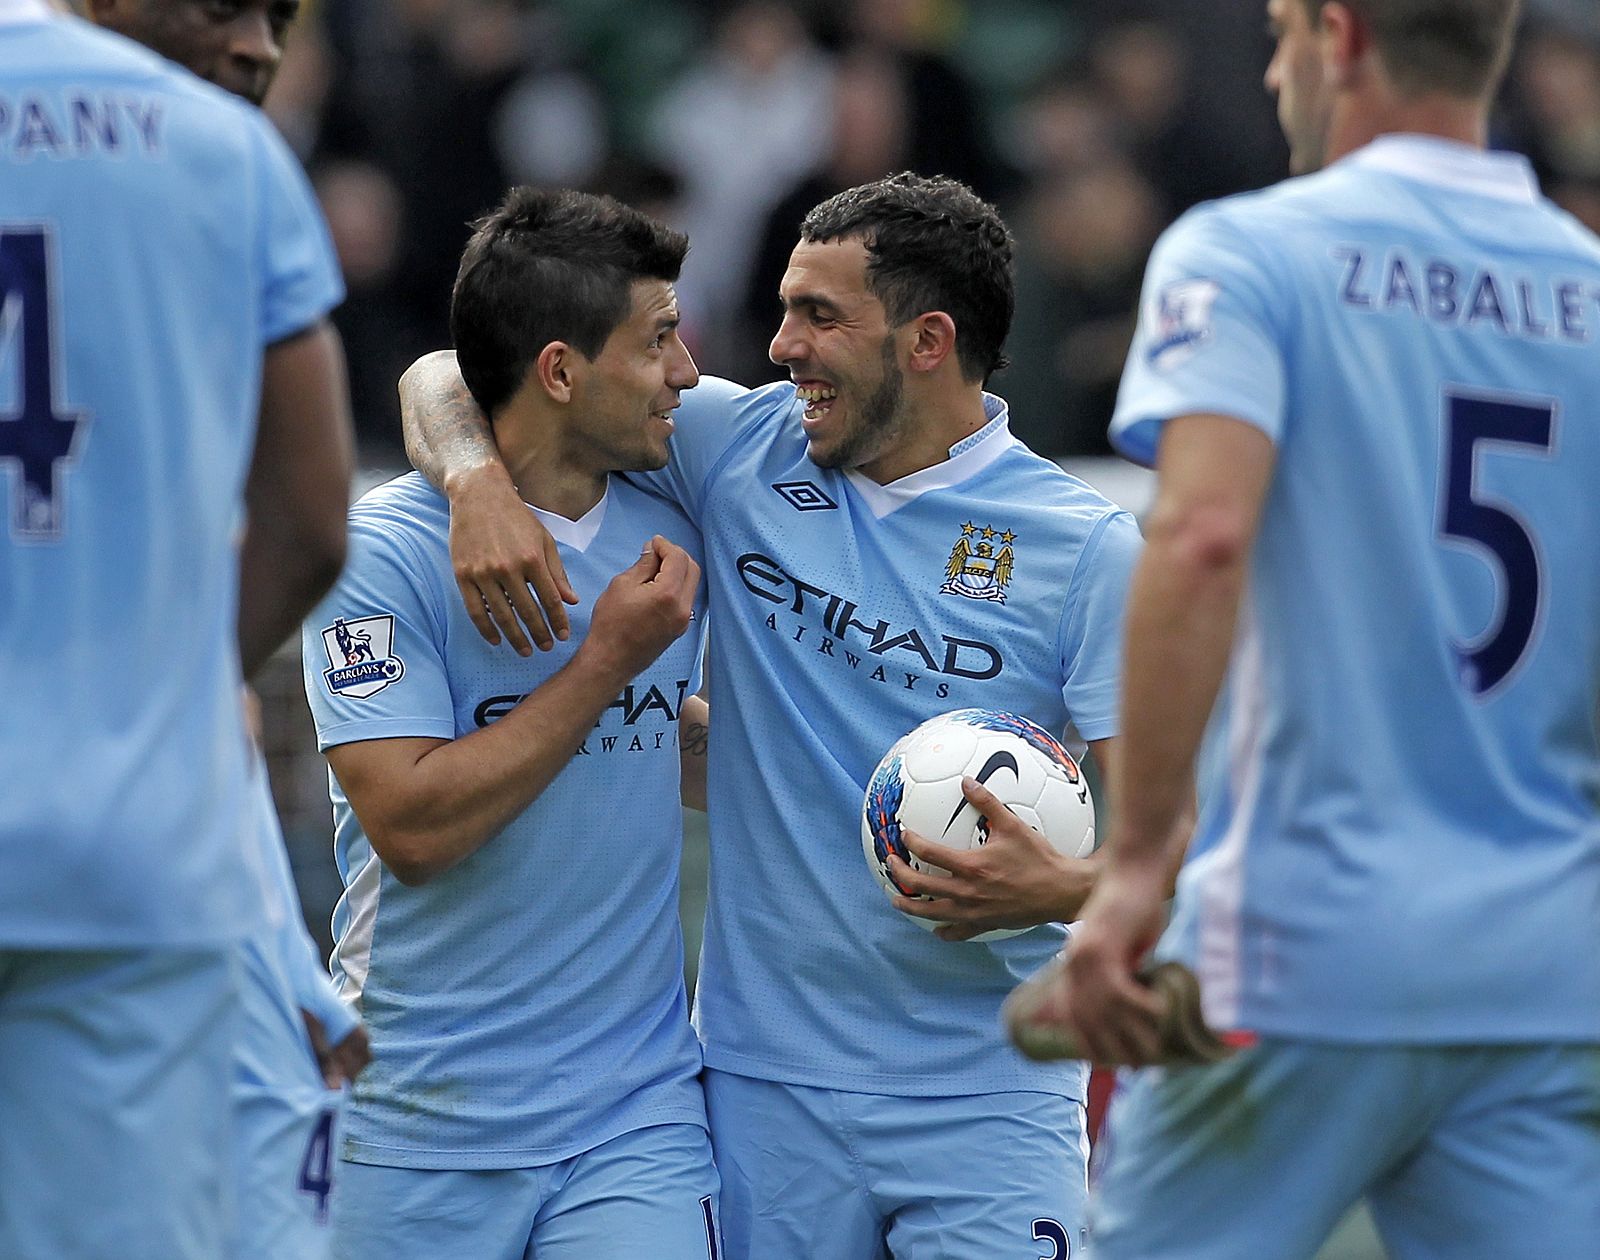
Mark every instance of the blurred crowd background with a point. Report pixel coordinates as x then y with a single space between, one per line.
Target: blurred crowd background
1091 123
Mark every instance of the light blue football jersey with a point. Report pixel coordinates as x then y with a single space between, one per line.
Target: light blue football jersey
1400 840
527 1004
155 235
847 613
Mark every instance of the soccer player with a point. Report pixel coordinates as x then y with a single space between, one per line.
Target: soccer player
833 509
164 282
1367 394
294 1022
509 829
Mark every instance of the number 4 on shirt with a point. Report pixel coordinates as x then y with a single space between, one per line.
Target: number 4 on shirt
38 435
316 1169
1527 426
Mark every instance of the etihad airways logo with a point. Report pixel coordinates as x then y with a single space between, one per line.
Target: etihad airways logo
847 630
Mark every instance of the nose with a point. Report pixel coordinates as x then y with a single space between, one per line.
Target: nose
681 372
254 42
1270 78
788 346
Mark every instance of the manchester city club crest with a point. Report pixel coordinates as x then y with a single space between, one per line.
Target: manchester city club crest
361 656
980 563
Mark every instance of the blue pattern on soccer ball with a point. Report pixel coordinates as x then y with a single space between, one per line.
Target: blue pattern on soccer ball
1022 728
884 795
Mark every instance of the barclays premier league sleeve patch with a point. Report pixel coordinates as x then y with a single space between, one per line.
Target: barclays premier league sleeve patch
361 659
1180 322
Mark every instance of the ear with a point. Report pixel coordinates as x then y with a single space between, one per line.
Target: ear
933 341
1346 41
557 369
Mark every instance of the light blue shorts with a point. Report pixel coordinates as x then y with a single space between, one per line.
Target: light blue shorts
832 1175
1459 1152
286 1158
115 1116
649 1193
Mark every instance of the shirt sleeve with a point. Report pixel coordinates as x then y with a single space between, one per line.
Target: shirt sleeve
373 650
1091 626
314 987
1209 338
708 422
299 272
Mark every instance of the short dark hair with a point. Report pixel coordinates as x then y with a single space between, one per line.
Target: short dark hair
550 266
1457 47
932 245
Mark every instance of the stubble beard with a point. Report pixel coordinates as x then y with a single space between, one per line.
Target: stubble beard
881 422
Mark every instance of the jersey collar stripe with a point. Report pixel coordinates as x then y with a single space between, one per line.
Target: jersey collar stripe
968 458
1446 164
580 533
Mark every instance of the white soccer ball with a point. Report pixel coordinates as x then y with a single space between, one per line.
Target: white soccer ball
917 785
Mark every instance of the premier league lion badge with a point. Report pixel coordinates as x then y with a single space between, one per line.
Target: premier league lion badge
980 564
361 656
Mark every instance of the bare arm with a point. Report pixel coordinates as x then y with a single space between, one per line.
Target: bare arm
694 736
426 804
506 564
297 493
1213 478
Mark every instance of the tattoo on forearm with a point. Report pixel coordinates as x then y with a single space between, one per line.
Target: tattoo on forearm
447 432
694 737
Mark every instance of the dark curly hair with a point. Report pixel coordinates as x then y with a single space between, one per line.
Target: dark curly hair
932 245
550 266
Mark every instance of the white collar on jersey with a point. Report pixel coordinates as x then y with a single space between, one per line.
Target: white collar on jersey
968 457
1450 164
18 11
576 534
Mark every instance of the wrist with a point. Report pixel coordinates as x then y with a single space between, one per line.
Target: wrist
487 475
1074 883
601 666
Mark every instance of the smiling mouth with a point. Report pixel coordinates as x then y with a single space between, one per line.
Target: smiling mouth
818 399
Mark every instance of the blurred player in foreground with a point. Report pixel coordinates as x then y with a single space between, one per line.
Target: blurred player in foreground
164 282
832 507
285 1118
509 829
1369 396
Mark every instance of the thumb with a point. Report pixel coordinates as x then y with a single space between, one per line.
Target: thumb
648 564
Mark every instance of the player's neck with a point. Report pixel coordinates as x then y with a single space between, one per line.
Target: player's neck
545 473
1442 117
933 429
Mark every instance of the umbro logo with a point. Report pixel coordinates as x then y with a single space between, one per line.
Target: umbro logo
805 496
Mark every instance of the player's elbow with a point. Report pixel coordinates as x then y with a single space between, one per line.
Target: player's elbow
1203 538
413 857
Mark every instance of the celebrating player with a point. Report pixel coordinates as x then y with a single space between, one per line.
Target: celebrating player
833 507
1367 396
509 829
165 277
